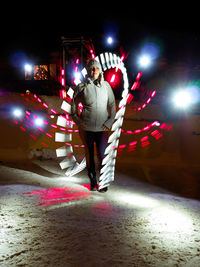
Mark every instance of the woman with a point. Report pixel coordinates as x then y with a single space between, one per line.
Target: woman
97 116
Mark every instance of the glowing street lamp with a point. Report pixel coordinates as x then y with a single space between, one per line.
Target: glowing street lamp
28 71
17 112
109 40
144 61
39 122
182 99
28 67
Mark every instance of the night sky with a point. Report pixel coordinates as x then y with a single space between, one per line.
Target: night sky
37 30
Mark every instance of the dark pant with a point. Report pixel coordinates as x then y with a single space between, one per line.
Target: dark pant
89 139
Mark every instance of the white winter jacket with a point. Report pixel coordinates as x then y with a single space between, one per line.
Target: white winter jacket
98 105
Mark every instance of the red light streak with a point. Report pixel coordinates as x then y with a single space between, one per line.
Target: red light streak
63 94
62 129
165 126
40 129
139 75
44 144
133 143
22 128
145 143
146 128
68 144
112 78
144 105
92 53
129 98
153 94
144 138
53 111
32 136
28 113
45 105
154 123
138 131
80 108
156 134
63 82
54 126
132 146
135 85
49 135
148 100
122 146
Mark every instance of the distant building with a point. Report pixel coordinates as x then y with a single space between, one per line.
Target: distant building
48 75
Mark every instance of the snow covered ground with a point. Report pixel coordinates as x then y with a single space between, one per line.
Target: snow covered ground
48 219
149 216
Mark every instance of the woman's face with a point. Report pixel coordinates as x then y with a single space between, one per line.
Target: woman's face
94 72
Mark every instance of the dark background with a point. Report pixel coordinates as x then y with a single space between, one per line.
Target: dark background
35 29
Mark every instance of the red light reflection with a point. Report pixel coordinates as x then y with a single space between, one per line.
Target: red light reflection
54 196
104 208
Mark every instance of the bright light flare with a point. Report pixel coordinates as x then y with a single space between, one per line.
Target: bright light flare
28 67
17 113
77 75
39 121
182 99
109 40
144 61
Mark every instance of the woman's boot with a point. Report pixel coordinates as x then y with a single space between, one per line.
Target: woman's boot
93 181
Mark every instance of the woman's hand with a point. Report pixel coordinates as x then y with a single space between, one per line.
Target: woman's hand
105 128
